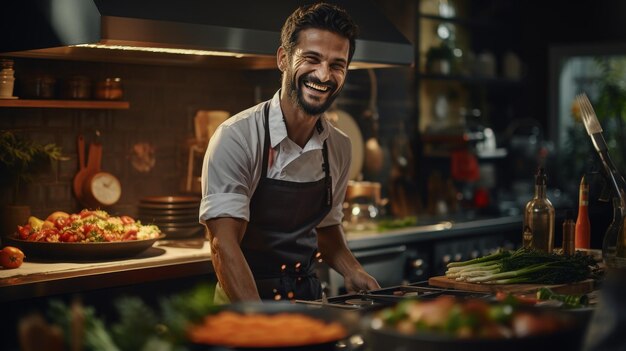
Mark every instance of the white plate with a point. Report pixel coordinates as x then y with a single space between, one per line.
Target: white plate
348 125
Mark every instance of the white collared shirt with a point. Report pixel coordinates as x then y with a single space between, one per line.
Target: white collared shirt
233 162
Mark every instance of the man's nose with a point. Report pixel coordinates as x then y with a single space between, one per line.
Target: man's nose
323 72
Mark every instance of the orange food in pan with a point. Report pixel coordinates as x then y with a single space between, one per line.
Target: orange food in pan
233 329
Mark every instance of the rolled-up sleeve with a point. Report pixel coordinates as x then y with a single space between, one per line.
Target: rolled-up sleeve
226 176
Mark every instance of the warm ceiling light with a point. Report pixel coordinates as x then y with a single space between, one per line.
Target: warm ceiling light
163 50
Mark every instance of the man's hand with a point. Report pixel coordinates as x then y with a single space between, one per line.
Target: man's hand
334 249
359 280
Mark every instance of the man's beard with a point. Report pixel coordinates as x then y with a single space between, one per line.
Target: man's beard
295 93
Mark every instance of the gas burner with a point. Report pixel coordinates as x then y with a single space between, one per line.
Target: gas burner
359 302
391 295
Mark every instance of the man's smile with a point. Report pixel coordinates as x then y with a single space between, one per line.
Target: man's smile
315 86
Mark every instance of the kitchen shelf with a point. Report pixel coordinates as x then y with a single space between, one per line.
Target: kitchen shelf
458 20
499 82
84 104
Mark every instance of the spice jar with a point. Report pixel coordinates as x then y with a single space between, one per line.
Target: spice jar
38 87
109 89
76 87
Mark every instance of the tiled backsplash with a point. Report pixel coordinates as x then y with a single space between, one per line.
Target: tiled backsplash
163 101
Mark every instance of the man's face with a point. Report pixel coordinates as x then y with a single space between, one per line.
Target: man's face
314 75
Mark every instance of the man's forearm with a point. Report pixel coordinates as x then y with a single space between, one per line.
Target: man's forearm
228 260
233 274
335 252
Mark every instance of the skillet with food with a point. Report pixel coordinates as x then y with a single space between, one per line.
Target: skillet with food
273 326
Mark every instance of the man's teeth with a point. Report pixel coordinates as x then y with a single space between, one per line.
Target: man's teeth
316 86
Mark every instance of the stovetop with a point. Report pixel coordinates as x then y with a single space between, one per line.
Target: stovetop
388 296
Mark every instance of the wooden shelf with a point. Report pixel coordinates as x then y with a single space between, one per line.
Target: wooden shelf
477 80
85 104
478 23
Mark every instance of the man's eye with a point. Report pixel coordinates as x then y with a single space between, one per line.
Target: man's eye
312 59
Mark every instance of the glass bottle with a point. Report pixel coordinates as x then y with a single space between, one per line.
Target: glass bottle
609 242
7 78
539 217
583 227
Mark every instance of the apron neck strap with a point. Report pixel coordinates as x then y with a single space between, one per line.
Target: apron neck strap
266 148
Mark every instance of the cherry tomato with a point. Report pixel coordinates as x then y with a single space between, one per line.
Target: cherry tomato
130 235
11 257
24 231
61 222
41 235
85 213
127 220
88 228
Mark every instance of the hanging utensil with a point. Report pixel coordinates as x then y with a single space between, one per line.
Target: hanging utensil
373 152
79 178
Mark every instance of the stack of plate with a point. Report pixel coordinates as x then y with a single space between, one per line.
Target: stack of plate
176 216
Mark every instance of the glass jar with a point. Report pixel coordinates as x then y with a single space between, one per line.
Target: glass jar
7 79
109 89
76 87
40 86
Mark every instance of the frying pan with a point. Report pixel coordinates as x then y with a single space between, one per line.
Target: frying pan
348 319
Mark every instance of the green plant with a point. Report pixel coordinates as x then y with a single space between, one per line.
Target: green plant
610 107
22 158
609 102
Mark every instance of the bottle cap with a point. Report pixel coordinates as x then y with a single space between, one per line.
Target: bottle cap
540 177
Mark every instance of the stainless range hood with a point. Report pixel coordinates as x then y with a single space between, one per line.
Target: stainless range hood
242 33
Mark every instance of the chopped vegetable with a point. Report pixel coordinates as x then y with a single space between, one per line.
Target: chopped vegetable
571 301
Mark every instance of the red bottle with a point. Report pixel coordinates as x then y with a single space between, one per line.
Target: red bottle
583 227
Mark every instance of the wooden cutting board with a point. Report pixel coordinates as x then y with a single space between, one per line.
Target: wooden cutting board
578 288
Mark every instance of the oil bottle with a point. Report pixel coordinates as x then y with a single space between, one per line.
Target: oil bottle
539 217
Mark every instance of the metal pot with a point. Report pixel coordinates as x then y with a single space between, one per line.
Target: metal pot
362 206
369 191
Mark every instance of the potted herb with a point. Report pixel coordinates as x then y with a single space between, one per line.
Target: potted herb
20 159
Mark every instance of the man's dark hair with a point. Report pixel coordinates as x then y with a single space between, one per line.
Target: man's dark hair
320 16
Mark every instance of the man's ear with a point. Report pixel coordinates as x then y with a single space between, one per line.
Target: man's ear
281 59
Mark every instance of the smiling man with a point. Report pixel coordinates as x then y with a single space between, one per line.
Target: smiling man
275 175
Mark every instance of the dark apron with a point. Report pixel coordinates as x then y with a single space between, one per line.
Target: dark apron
280 243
